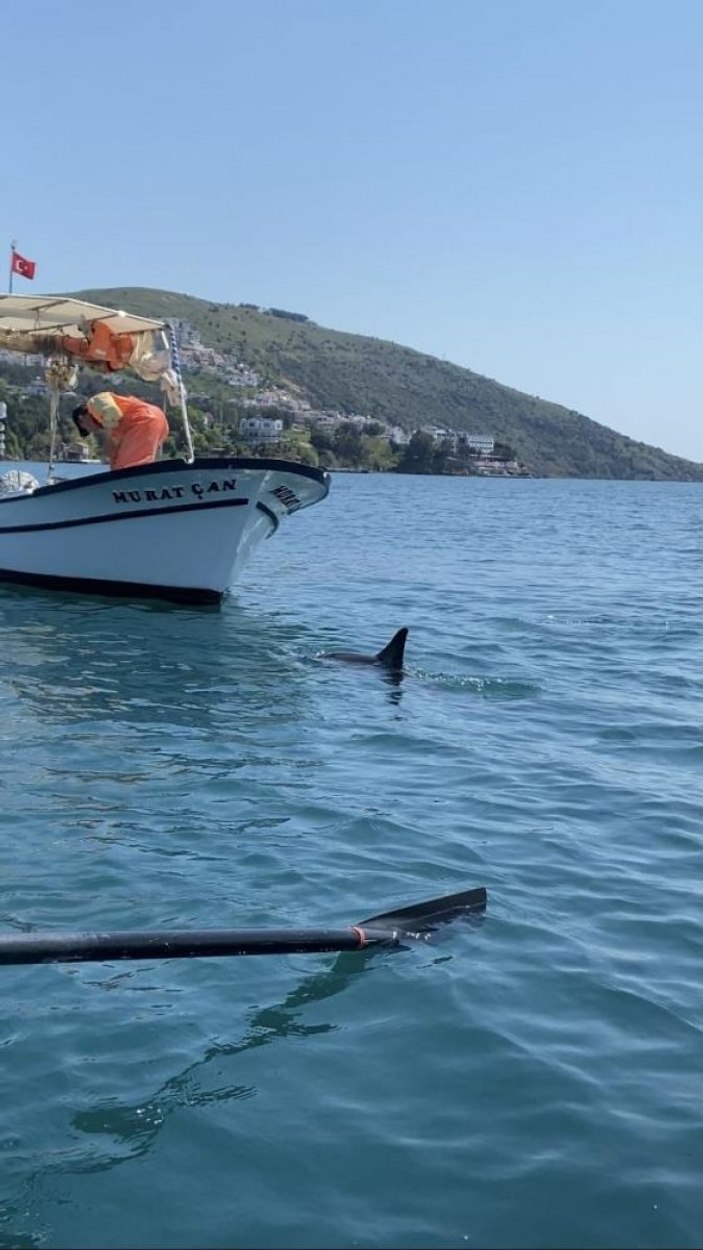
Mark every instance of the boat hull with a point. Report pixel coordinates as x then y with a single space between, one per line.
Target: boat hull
168 530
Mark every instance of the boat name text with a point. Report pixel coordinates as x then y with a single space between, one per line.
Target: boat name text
198 489
287 497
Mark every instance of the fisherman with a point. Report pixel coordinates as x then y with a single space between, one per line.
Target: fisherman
130 430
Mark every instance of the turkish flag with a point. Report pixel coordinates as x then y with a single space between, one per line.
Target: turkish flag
25 268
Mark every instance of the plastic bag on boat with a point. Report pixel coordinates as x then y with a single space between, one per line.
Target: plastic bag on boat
17 482
171 387
151 356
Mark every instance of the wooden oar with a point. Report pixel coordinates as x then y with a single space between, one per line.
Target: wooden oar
392 928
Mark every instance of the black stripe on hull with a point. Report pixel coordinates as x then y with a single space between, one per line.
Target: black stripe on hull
263 507
135 514
122 590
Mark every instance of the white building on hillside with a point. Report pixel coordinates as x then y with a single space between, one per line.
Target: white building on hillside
324 420
483 443
241 375
261 429
275 397
399 436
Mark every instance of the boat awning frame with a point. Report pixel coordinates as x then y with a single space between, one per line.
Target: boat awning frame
58 315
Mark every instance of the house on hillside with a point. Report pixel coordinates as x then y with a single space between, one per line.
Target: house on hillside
399 436
258 430
275 397
482 443
241 375
324 420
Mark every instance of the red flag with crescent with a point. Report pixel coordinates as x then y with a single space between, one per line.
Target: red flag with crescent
25 268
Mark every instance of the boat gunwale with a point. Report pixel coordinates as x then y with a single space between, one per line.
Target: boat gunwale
178 465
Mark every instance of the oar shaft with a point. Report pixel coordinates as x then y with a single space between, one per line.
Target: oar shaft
388 929
186 943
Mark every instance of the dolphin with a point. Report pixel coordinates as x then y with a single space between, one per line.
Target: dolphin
390 658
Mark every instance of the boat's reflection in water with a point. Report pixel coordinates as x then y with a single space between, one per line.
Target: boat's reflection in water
72 658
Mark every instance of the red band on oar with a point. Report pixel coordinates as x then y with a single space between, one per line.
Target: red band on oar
363 940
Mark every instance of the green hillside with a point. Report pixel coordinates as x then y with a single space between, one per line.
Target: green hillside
352 373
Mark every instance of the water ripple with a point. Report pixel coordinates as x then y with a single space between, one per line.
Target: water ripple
528 1080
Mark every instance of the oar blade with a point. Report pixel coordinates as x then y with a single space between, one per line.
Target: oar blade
426 916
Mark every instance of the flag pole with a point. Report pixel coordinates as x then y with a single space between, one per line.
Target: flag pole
13 245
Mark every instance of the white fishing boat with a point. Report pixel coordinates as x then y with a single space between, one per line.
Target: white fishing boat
176 529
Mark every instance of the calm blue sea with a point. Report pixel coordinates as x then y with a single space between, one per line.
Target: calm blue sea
534 1080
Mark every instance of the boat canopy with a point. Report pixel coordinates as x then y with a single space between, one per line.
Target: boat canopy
104 339
69 332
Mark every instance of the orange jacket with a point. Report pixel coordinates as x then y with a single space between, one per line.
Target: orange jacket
103 348
134 429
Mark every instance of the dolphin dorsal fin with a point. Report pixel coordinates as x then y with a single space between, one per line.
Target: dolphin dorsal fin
392 655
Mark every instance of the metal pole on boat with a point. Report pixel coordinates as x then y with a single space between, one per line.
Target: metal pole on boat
176 363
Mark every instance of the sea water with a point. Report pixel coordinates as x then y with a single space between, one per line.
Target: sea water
531 1080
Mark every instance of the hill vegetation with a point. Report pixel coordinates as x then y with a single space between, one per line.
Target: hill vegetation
399 386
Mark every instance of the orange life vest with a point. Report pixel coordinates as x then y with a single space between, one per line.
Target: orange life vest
104 349
117 412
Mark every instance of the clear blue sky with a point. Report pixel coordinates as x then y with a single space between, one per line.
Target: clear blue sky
513 185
